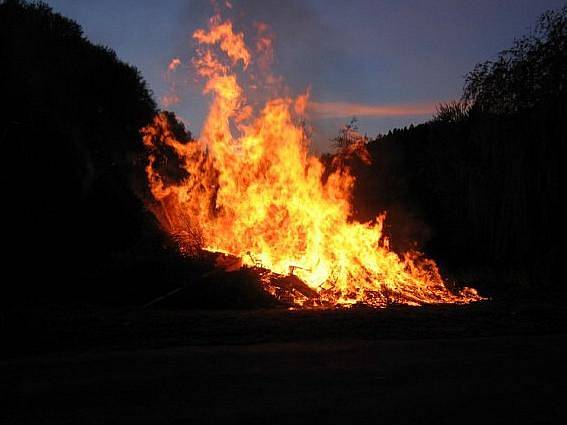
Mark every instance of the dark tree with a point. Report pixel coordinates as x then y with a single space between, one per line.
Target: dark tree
348 135
71 149
453 111
486 174
533 71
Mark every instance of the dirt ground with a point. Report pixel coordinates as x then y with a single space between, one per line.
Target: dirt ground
483 364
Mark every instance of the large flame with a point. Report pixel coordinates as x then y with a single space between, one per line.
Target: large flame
250 188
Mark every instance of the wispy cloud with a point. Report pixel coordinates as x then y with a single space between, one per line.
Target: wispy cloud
348 109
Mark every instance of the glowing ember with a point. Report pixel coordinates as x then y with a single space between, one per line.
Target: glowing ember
175 62
249 188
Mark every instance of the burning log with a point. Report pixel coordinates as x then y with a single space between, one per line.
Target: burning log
289 289
292 268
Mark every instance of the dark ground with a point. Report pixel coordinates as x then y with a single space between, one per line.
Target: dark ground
493 362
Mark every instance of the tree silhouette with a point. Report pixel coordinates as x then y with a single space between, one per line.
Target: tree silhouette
534 70
69 128
451 112
486 174
348 135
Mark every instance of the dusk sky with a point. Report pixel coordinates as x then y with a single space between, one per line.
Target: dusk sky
385 61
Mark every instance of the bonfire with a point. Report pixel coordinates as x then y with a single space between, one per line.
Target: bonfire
250 190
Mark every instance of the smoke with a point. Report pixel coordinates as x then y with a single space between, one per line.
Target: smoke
302 42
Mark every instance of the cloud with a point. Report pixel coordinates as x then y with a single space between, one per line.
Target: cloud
348 109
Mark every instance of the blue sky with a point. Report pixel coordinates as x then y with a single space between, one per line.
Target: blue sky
374 53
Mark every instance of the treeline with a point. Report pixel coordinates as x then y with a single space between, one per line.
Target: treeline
71 157
482 184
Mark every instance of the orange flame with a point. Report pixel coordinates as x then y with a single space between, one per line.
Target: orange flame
171 97
175 62
169 100
249 187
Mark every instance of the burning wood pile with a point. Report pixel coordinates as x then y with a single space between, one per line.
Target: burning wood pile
249 190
